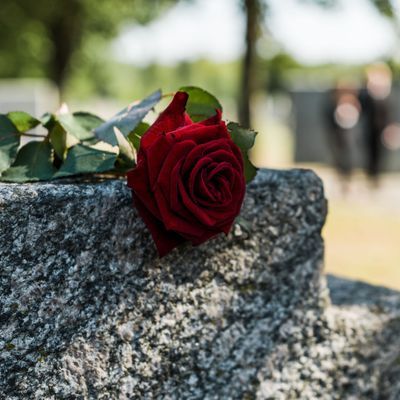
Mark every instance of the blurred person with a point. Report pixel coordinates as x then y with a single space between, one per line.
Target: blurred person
343 113
374 99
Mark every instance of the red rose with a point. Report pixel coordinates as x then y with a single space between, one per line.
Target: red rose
188 184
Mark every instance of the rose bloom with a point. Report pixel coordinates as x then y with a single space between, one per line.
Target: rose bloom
189 183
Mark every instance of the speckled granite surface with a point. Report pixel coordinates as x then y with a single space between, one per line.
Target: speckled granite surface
87 311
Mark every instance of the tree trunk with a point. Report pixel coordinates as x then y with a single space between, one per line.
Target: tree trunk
65 32
251 8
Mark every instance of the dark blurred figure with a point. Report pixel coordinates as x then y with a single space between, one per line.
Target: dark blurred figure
374 99
343 113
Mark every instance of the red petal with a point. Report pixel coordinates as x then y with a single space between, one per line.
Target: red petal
200 214
165 241
199 133
214 120
173 117
138 181
155 156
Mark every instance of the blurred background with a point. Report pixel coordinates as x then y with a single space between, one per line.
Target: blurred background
318 79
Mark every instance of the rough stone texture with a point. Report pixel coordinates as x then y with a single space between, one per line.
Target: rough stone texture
355 355
87 311
368 318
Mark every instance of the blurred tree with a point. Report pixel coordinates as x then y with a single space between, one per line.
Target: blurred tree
277 68
254 11
41 37
385 7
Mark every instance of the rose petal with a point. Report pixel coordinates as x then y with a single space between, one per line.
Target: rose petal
199 133
188 121
224 213
197 211
222 155
155 156
176 154
175 199
207 189
202 149
138 181
165 241
200 165
174 222
173 117
214 120
203 193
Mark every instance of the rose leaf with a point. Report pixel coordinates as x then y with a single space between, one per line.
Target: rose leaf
33 163
135 136
22 120
61 140
201 104
48 120
76 126
83 159
88 120
244 138
9 142
127 153
127 119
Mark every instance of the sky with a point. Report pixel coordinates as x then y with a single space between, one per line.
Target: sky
352 32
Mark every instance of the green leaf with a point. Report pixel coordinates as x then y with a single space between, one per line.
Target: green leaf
58 137
87 120
33 163
76 126
127 119
250 170
22 120
9 142
17 174
135 136
61 140
201 104
244 138
83 159
127 153
47 120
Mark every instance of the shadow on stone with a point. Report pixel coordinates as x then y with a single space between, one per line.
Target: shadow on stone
351 292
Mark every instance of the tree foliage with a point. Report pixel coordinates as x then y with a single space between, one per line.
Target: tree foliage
40 38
